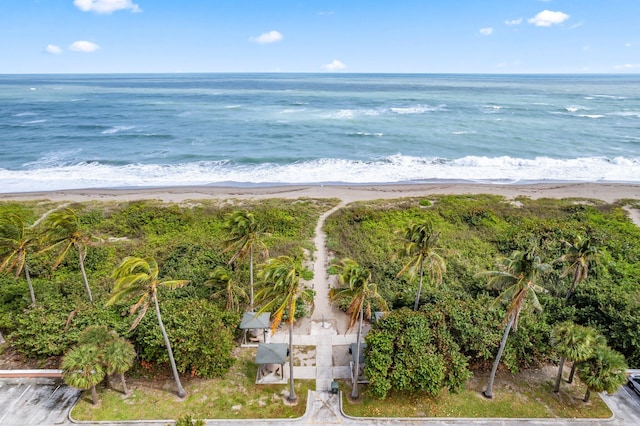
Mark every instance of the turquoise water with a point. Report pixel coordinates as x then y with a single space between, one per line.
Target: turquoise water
88 131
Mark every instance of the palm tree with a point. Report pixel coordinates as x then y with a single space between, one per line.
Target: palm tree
137 277
282 276
603 371
572 342
16 241
117 356
580 255
596 339
63 231
243 234
81 368
357 285
517 275
233 293
420 243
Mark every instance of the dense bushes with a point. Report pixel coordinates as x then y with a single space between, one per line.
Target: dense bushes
475 231
186 240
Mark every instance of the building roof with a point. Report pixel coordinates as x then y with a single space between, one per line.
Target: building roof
253 320
272 353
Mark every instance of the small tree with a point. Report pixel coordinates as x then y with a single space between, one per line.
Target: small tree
420 243
356 285
604 371
62 232
517 277
580 255
16 241
244 234
117 356
233 293
138 278
82 369
282 276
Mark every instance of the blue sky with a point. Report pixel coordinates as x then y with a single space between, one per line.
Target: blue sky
387 36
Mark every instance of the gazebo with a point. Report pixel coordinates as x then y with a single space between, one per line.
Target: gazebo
352 351
271 358
254 321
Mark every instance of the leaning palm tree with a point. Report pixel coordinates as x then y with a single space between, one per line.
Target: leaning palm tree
580 255
117 356
420 243
16 241
234 294
573 342
356 284
517 277
243 235
282 276
138 278
63 231
81 368
604 371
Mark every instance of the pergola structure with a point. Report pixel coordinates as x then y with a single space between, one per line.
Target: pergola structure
271 358
254 321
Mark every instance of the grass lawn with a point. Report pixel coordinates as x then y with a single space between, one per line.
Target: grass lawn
235 396
525 395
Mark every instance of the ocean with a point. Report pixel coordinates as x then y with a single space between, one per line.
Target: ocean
153 130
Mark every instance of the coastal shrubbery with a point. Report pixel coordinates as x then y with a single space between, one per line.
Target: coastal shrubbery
461 324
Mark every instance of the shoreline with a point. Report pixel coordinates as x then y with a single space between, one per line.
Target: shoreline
607 192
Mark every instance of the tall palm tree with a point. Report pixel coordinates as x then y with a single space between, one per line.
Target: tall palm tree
16 241
573 342
81 368
420 243
580 255
603 371
118 355
243 235
232 292
282 276
138 278
517 277
356 284
63 231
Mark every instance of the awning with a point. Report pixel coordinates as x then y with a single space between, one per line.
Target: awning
251 320
272 353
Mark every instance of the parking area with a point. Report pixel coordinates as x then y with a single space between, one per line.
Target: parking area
35 401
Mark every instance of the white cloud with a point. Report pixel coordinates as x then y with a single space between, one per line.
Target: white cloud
83 46
106 6
266 38
53 49
334 66
514 21
486 31
546 18
627 67
586 48
627 45
325 13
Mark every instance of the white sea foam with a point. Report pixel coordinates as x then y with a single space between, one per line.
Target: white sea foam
418 109
591 115
396 168
25 114
116 129
35 121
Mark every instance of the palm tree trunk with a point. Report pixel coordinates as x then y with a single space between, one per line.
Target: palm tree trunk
181 391
489 391
292 392
556 387
576 277
587 395
2 340
124 384
94 395
417 302
354 385
84 274
250 279
573 372
28 277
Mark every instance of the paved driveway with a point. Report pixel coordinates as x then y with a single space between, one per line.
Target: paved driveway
35 401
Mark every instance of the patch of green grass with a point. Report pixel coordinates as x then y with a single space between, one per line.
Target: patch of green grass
514 397
235 396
